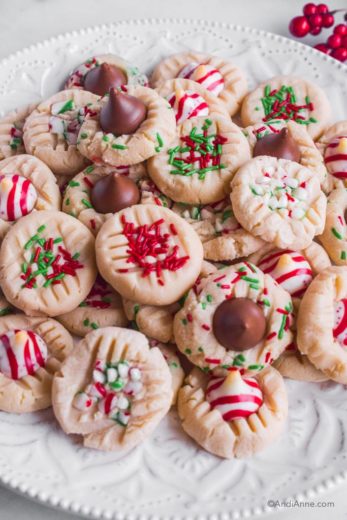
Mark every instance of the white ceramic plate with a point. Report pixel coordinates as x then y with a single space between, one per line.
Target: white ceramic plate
169 476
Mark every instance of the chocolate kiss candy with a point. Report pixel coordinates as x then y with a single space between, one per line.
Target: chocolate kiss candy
280 145
100 79
238 324
113 193
122 114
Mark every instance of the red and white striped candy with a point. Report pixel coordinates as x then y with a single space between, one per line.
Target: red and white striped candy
290 269
209 77
18 197
340 325
335 157
187 104
22 353
233 396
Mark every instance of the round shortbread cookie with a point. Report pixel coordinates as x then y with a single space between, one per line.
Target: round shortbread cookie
233 416
279 201
11 131
29 362
101 308
219 76
51 130
77 196
322 323
333 147
132 73
149 254
294 365
201 162
157 322
288 97
154 133
26 184
310 157
194 324
334 236
47 263
113 389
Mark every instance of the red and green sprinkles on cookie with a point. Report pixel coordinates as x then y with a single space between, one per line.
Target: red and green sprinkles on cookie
48 260
282 104
199 153
150 249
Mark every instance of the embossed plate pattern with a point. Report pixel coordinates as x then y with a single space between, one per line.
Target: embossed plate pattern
168 476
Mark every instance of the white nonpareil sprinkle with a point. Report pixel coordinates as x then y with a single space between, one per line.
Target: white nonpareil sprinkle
122 402
123 370
291 182
98 376
134 387
298 213
300 194
82 401
135 374
123 418
57 125
112 375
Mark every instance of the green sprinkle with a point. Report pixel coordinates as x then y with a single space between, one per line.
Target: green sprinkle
343 255
73 184
255 367
89 169
57 240
226 214
267 303
257 110
119 146
86 322
313 120
94 325
336 233
209 298
200 349
105 138
187 351
31 242
69 105
86 203
136 309
41 228
67 202
173 364
84 136
239 360
5 311
184 321
283 324
117 385
250 280
203 305
253 286
24 267
160 140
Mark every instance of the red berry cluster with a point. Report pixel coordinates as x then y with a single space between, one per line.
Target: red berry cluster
314 19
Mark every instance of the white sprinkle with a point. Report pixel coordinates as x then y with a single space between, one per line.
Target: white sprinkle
219 225
135 374
270 170
123 418
57 125
112 375
259 190
98 376
291 182
273 203
300 193
123 370
263 180
81 401
298 213
122 402
186 214
283 202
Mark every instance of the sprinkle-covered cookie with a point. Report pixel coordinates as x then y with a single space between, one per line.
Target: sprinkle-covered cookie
201 161
100 73
237 317
11 131
287 98
84 192
31 351
220 77
113 389
322 323
127 127
51 130
232 415
279 201
47 263
149 254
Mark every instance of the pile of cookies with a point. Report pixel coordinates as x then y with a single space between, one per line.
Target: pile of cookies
190 252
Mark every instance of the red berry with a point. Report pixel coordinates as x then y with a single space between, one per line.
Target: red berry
315 30
323 48
328 20
344 42
315 20
322 8
299 26
340 54
309 9
334 41
340 29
